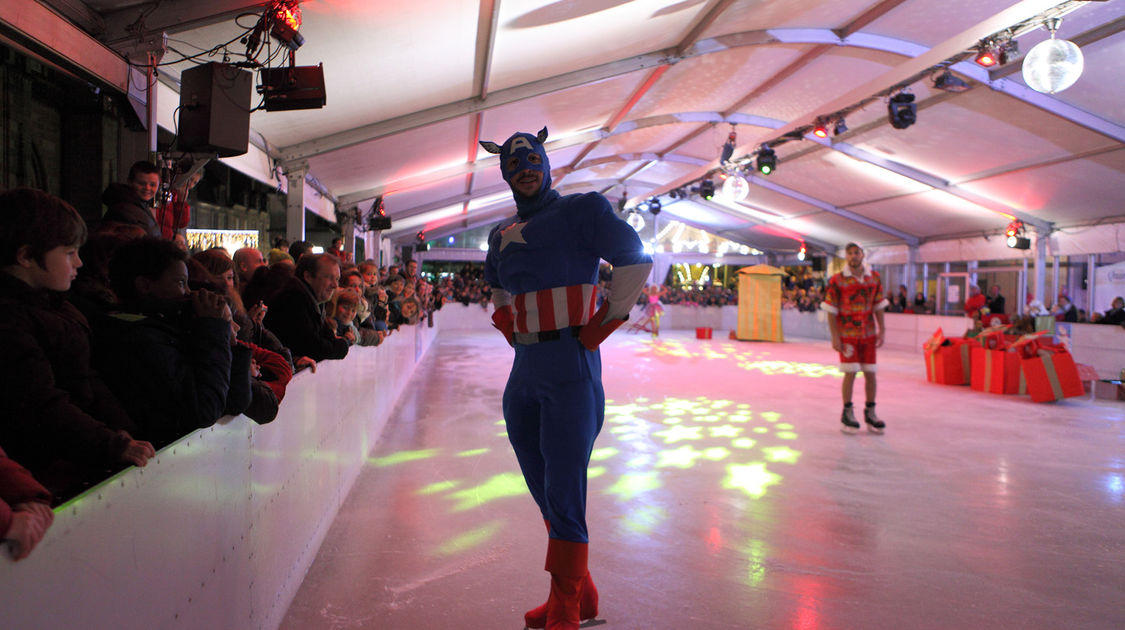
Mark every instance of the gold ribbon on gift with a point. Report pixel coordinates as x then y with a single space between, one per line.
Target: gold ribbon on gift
992 338
965 369
1023 381
1028 344
988 361
934 342
1052 375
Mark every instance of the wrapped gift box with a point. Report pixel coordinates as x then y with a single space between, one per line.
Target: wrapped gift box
947 360
703 333
1051 376
995 371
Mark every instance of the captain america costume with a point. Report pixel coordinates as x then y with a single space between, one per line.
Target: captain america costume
542 265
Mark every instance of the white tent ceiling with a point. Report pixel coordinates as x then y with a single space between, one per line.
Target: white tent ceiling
640 96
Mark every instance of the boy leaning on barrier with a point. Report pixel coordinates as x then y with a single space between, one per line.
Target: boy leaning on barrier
59 419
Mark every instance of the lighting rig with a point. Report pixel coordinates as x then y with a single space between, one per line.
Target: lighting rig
1061 66
1015 234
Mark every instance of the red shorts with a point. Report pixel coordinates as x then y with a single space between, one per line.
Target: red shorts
858 355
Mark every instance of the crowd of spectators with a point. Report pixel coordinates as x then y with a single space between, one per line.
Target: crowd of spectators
120 341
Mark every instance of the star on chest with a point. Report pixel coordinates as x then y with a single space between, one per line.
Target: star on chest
512 234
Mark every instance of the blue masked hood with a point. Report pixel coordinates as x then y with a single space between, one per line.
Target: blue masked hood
520 146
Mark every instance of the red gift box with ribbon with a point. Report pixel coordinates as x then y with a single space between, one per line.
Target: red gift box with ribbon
1051 375
1028 345
947 360
995 371
993 338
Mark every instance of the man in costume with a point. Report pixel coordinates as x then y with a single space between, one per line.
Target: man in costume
855 304
542 265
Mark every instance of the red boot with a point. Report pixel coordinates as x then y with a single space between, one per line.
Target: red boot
587 605
566 561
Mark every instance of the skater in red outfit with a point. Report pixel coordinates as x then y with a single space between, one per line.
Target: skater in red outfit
855 304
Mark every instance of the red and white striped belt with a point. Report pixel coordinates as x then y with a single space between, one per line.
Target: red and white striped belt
555 308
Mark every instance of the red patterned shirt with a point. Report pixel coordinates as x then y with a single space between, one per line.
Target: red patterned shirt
853 301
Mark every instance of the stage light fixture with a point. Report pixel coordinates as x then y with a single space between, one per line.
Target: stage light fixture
707 189
841 127
285 20
987 56
902 111
654 205
767 160
378 219
728 148
949 82
801 253
820 130
1008 51
1015 236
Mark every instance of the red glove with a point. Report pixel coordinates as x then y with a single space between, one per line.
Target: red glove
596 330
504 320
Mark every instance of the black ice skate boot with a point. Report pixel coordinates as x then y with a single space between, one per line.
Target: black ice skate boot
874 424
848 420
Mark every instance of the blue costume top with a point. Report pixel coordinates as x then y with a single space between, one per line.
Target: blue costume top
543 262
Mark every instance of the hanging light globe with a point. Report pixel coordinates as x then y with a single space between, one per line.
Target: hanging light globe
1052 65
635 221
735 188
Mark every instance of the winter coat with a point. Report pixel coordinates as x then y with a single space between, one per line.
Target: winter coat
55 406
123 206
170 369
298 321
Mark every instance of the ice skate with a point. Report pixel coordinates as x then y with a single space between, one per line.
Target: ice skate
874 424
847 419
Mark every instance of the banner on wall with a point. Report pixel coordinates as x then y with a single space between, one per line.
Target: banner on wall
1109 282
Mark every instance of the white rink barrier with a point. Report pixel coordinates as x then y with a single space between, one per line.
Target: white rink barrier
219 530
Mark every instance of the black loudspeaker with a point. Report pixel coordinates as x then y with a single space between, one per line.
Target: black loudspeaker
215 109
379 222
293 87
818 263
421 247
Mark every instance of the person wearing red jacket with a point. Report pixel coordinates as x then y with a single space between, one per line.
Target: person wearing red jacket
975 302
25 512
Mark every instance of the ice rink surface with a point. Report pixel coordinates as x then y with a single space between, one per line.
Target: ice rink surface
723 495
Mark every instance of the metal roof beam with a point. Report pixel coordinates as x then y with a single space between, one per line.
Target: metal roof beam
910 239
172 17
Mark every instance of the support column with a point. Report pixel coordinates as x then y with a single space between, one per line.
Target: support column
1039 289
347 229
1055 283
295 201
972 269
372 240
909 276
1021 301
926 280
1091 285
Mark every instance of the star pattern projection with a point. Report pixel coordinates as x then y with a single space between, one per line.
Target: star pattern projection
742 450
744 359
